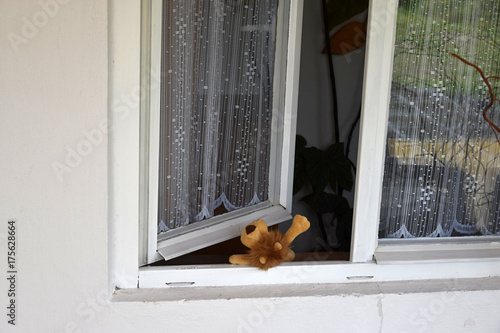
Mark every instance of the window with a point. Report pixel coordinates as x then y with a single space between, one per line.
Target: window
460 257
442 164
214 121
442 161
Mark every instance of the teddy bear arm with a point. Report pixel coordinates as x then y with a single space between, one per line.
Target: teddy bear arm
299 225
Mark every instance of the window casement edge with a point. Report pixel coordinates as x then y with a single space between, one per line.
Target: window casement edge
217 231
381 33
293 41
149 127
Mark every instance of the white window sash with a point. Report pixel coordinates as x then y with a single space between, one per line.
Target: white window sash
150 127
217 229
371 155
373 127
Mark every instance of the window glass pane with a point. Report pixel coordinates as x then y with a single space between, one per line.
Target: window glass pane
216 103
442 165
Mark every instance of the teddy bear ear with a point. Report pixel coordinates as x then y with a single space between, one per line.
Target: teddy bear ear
261 225
253 233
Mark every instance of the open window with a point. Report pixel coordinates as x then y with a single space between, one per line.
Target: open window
217 120
412 157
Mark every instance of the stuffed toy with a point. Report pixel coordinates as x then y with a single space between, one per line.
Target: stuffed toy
268 248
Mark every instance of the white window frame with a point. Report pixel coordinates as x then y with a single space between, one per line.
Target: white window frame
219 228
132 283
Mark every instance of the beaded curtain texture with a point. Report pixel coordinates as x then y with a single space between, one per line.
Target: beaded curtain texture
216 104
442 164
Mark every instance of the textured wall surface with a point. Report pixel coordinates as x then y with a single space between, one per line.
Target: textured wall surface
53 181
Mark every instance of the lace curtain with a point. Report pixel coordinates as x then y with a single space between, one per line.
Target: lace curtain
442 165
216 101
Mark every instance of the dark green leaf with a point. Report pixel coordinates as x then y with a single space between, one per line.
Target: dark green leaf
327 203
332 180
344 230
299 173
339 167
316 168
300 143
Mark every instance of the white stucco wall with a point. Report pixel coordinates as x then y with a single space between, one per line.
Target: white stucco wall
53 99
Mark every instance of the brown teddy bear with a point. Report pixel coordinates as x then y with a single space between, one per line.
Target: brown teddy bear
268 248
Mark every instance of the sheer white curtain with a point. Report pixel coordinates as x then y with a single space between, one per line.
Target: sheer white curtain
216 100
442 167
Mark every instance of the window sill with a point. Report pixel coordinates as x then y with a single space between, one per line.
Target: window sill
358 288
303 279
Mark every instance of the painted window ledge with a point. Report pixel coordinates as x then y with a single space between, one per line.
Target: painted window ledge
209 282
